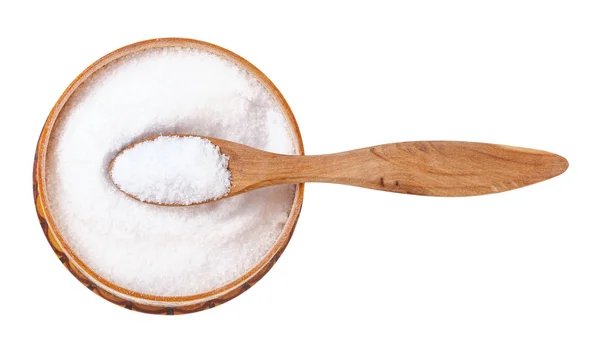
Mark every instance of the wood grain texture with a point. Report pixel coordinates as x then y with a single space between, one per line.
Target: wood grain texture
429 168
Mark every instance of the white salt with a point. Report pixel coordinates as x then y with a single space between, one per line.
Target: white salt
159 250
179 170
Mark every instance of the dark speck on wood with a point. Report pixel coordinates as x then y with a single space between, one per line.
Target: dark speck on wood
422 146
381 181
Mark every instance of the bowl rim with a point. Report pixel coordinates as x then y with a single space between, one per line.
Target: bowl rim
129 298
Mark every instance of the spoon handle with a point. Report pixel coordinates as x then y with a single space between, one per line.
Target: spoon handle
429 168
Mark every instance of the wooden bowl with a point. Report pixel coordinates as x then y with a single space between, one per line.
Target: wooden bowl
118 295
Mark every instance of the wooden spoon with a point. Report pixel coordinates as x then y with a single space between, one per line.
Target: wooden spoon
428 168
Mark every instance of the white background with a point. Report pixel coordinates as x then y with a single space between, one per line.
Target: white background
367 272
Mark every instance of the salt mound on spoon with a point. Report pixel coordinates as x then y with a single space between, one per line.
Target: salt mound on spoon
173 170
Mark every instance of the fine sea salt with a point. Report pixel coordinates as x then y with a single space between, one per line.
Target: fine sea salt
176 170
163 250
